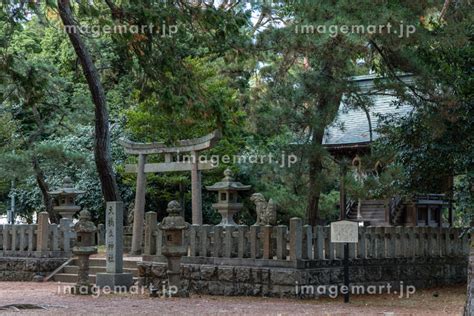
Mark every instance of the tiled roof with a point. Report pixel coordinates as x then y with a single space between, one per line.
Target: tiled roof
351 125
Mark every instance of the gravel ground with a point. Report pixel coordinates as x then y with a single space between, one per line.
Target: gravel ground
442 301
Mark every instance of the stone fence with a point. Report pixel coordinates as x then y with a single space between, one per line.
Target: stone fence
37 240
298 246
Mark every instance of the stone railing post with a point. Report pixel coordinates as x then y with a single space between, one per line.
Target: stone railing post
204 239
158 241
254 241
193 240
67 233
433 249
339 247
426 242
43 232
308 242
361 251
281 232
296 238
228 241
14 237
399 248
455 245
217 247
443 235
54 237
410 250
436 242
371 240
352 250
380 242
390 238
319 244
267 242
242 243
6 237
328 245
31 238
151 225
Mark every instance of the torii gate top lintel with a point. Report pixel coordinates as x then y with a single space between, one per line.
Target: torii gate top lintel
185 145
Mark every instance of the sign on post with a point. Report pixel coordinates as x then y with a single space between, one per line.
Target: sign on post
345 232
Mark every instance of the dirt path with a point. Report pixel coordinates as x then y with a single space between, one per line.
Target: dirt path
445 301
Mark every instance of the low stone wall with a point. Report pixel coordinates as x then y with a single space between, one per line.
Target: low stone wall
24 269
261 281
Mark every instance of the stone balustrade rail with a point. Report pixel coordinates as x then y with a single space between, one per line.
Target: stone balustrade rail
277 244
37 240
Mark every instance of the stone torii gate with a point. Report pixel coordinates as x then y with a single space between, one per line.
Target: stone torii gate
192 146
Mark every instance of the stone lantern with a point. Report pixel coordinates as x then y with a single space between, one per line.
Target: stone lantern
85 232
228 201
66 198
173 249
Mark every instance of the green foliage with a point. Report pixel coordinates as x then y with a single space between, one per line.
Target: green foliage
270 89
463 201
436 140
329 206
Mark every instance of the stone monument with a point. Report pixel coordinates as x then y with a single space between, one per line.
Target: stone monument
228 203
85 231
114 275
173 248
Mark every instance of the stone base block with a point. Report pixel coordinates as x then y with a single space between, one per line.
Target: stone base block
114 280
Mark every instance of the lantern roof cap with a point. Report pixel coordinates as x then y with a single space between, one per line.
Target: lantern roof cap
85 225
228 183
67 188
174 221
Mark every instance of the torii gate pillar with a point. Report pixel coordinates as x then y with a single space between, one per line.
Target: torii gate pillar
139 214
196 191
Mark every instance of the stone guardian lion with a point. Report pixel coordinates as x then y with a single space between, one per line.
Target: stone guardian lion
266 211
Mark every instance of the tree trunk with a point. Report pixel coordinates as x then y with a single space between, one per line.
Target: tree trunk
44 188
315 169
102 154
326 110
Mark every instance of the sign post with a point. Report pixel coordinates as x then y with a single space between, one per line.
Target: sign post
345 232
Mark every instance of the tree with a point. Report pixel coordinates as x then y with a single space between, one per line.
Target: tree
102 150
35 99
308 59
435 142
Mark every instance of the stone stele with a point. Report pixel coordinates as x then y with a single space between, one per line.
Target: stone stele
114 250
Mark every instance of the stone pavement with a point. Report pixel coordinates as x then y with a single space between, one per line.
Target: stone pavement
446 301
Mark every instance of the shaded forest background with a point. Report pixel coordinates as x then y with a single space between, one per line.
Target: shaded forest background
243 69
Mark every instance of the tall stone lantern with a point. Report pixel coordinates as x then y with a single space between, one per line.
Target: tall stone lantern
66 198
228 200
85 231
173 249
